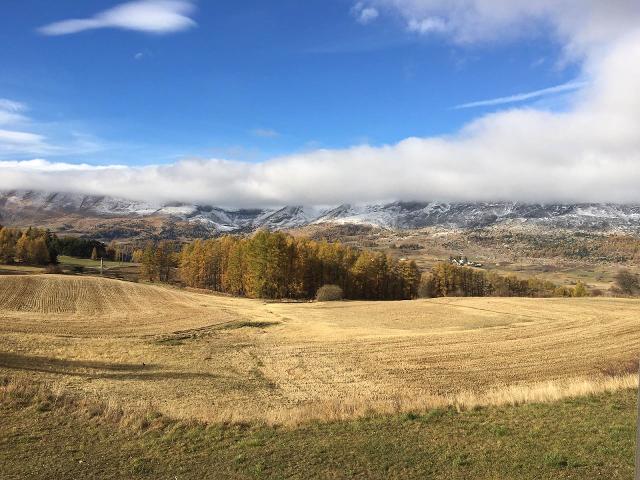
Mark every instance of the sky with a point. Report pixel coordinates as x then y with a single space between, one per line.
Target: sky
253 103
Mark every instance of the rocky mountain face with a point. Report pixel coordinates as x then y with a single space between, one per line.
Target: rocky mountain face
56 209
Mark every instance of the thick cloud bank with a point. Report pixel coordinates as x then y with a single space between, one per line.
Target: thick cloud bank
590 152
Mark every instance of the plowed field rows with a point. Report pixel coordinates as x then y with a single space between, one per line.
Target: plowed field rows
211 357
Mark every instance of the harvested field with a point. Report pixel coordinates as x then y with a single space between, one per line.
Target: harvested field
91 306
194 355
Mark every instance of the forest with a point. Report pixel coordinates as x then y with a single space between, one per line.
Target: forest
36 246
448 280
32 246
275 265
94 249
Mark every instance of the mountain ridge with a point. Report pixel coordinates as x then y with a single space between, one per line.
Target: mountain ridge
22 206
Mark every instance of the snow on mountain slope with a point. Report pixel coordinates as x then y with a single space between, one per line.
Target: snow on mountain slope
396 215
289 217
71 202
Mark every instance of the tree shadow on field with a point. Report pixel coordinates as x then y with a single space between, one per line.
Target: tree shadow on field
93 369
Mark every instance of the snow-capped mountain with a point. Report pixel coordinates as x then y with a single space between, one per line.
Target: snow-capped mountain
413 215
22 207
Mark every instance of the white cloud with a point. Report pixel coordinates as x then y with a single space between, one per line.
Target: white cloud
364 14
7 117
590 152
580 24
521 97
18 138
26 138
17 141
427 25
10 112
39 165
149 16
11 105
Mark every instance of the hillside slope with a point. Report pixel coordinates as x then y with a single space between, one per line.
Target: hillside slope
111 217
100 306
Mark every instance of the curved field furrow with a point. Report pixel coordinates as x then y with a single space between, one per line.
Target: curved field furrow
212 357
90 305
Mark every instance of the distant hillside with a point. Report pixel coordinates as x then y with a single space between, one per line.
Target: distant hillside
109 217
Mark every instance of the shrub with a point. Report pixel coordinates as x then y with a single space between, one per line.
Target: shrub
627 282
329 293
580 290
54 269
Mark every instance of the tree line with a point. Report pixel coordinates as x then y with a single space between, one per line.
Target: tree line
31 246
276 265
80 247
93 249
158 260
448 280
36 246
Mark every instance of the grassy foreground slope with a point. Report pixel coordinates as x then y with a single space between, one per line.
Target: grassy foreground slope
586 438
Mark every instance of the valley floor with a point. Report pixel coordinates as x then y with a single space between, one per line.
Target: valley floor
213 358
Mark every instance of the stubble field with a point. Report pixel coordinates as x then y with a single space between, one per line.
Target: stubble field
198 356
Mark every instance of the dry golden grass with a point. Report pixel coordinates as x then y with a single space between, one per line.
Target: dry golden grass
91 306
544 392
212 358
21 393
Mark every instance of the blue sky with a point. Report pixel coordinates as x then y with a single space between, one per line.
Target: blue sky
254 103
251 80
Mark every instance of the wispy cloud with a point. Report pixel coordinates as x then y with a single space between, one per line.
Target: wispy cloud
364 14
427 25
21 136
13 137
11 105
11 112
522 97
11 118
265 133
149 16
